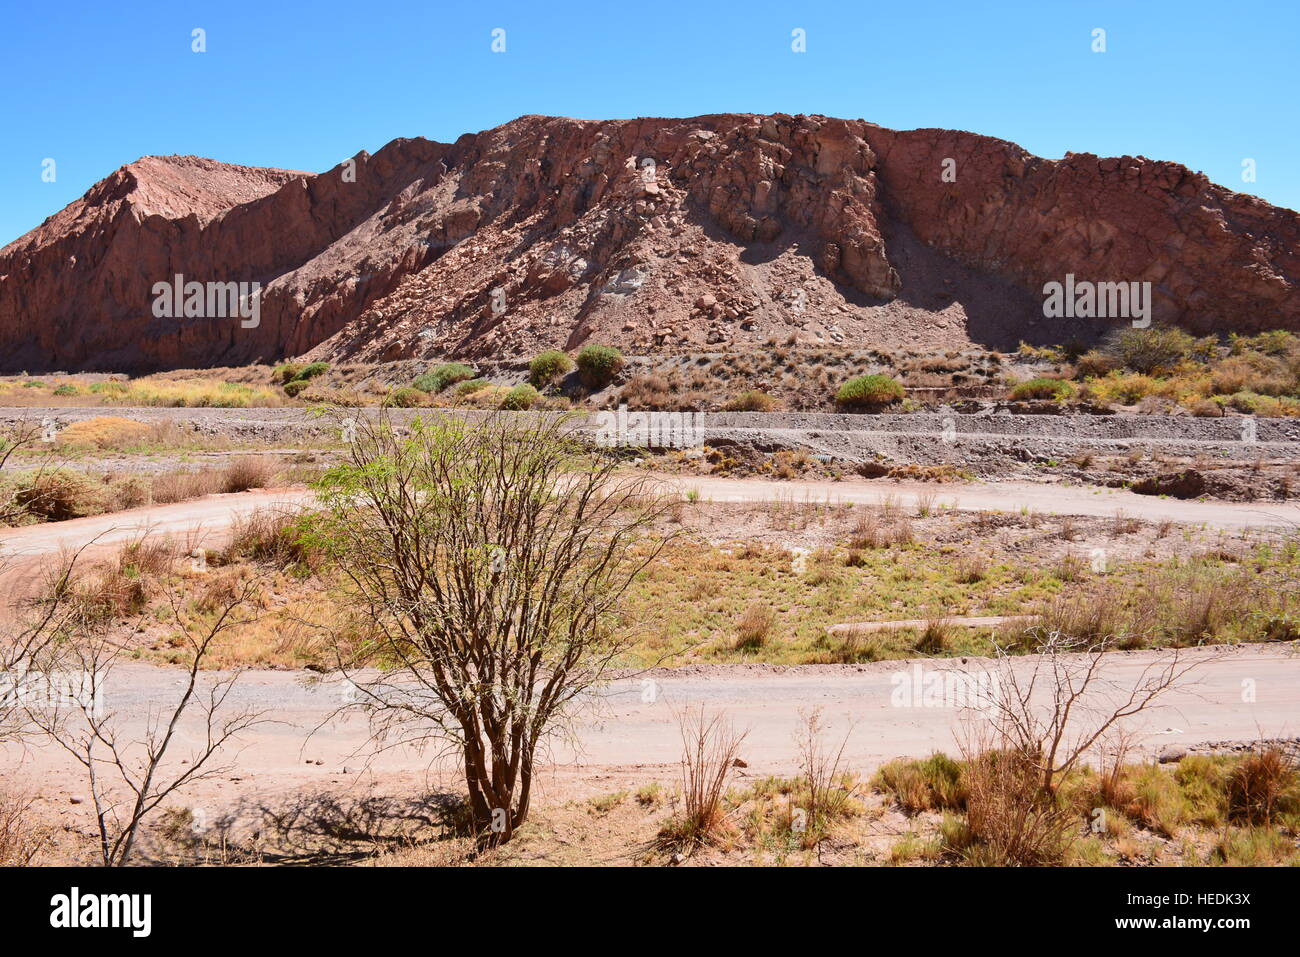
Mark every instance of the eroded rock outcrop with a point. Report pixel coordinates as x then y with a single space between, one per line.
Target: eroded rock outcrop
653 234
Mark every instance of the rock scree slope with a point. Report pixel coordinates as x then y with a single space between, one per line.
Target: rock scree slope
652 234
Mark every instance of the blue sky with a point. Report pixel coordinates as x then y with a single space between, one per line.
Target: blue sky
95 85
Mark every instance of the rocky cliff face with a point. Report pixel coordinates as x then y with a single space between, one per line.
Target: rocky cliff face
652 234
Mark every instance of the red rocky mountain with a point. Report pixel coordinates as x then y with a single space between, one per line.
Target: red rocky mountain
651 234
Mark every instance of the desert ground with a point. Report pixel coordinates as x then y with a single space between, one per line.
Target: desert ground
815 565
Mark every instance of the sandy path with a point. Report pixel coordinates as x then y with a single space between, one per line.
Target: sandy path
623 730
1001 496
208 517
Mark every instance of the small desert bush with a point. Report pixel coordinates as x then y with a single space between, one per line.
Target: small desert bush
598 365
1095 363
469 387
1262 786
55 495
447 374
122 587
869 390
199 394
548 366
1056 389
750 401
520 398
1149 350
935 637
753 626
20 839
270 536
246 472
652 392
1125 389
407 397
182 486
1009 820
710 746
104 432
932 784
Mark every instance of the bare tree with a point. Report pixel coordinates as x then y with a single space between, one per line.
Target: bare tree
1053 705
129 775
487 561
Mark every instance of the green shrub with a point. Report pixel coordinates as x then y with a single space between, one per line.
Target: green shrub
520 398
1056 389
1275 342
66 389
286 372
597 365
869 390
1094 362
111 387
470 387
437 379
293 387
314 369
750 401
407 397
1146 350
548 366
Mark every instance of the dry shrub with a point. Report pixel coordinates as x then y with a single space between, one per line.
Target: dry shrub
20 840
55 495
182 486
268 535
247 472
1009 820
750 401
753 626
1262 785
829 795
122 587
971 568
710 747
929 785
648 392
901 533
1123 524
935 637
105 432
866 531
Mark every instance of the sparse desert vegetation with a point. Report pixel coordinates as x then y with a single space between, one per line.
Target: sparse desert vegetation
786 583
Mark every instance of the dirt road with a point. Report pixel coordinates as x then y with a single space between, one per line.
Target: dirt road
1238 693
207 518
